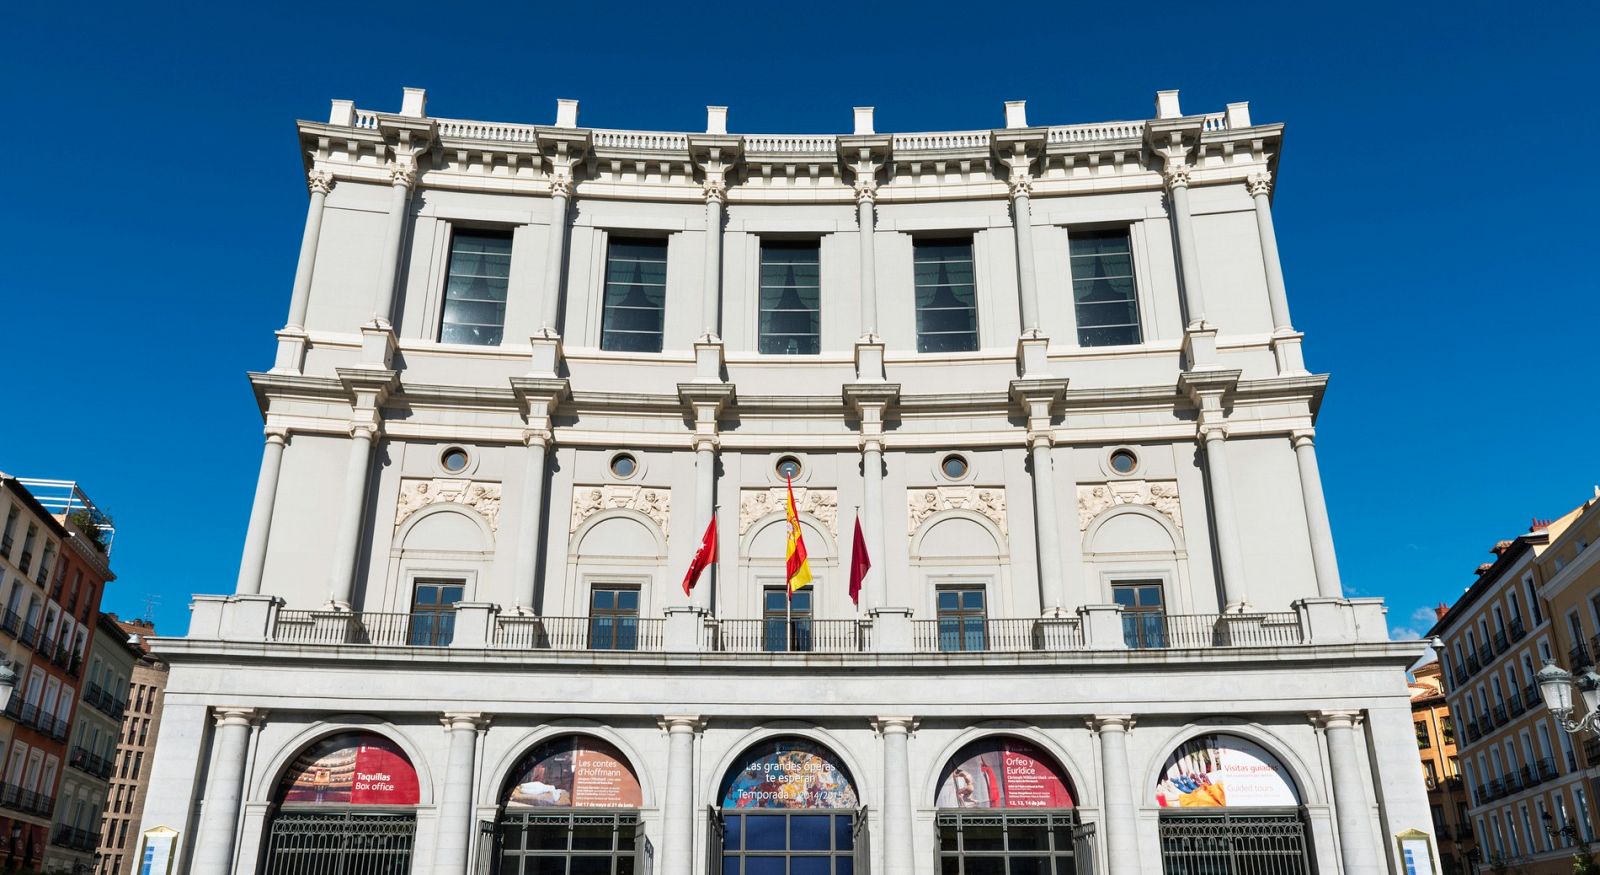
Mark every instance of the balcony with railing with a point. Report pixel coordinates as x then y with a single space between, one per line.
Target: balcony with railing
1578 657
1591 751
1518 631
1514 704
72 837
103 701
90 763
1485 654
1501 718
1473 666
14 797
1098 630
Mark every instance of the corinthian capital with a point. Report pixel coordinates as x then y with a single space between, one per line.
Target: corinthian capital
560 184
715 191
1021 185
1177 176
403 173
319 181
866 191
1260 184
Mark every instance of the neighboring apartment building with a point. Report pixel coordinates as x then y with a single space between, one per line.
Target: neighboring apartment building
1569 575
130 780
85 790
1522 769
1448 798
53 576
1050 368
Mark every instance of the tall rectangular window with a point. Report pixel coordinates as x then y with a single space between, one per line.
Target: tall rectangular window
947 309
475 290
962 618
785 619
789 312
433 612
614 618
1103 292
1144 613
636 295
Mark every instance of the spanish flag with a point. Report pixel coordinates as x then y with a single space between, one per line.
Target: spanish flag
799 571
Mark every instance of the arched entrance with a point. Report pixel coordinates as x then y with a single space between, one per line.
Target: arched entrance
345 806
788 807
1008 808
1229 806
570 807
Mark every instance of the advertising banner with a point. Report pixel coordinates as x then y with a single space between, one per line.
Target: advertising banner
1217 771
1003 773
574 772
351 769
789 773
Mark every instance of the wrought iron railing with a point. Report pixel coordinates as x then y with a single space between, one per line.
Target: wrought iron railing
94 764
1578 657
791 635
11 624
339 843
1591 751
609 632
103 700
72 837
958 634
421 629
1257 843
1517 630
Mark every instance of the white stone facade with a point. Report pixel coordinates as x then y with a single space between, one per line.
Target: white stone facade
1183 460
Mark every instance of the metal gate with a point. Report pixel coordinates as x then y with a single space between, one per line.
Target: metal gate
1230 843
339 843
1083 849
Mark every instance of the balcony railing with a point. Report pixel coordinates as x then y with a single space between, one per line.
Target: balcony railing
577 633
1485 654
1514 704
13 796
1472 731
74 838
1473 666
779 635
1547 769
1518 631
93 764
1501 718
960 634
104 701
482 626
1591 751
1501 643
11 624
1578 657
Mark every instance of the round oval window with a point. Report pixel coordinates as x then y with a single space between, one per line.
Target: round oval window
454 460
624 465
1124 461
954 467
788 467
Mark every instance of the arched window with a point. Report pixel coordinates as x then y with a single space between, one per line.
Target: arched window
571 806
345 806
1007 806
1227 804
788 805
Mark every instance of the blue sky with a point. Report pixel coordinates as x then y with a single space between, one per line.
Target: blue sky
1437 194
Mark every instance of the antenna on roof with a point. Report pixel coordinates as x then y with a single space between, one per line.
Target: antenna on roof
150 602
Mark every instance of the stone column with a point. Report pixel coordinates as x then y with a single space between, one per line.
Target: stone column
254 560
341 580
1022 221
898 847
530 515
555 252
1049 531
451 842
1177 178
677 815
1121 827
1323 558
1349 798
320 183
875 586
716 193
403 176
866 201
1223 519
1260 188
219 817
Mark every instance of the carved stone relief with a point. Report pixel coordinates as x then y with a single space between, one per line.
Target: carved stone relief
989 501
820 503
648 500
1161 496
416 494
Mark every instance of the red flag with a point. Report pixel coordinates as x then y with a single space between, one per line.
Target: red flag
859 563
706 555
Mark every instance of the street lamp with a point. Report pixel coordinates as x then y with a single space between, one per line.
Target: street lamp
1556 686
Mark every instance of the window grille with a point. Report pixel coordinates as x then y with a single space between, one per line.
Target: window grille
1234 843
1000 842
339 843
580 843
802 841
